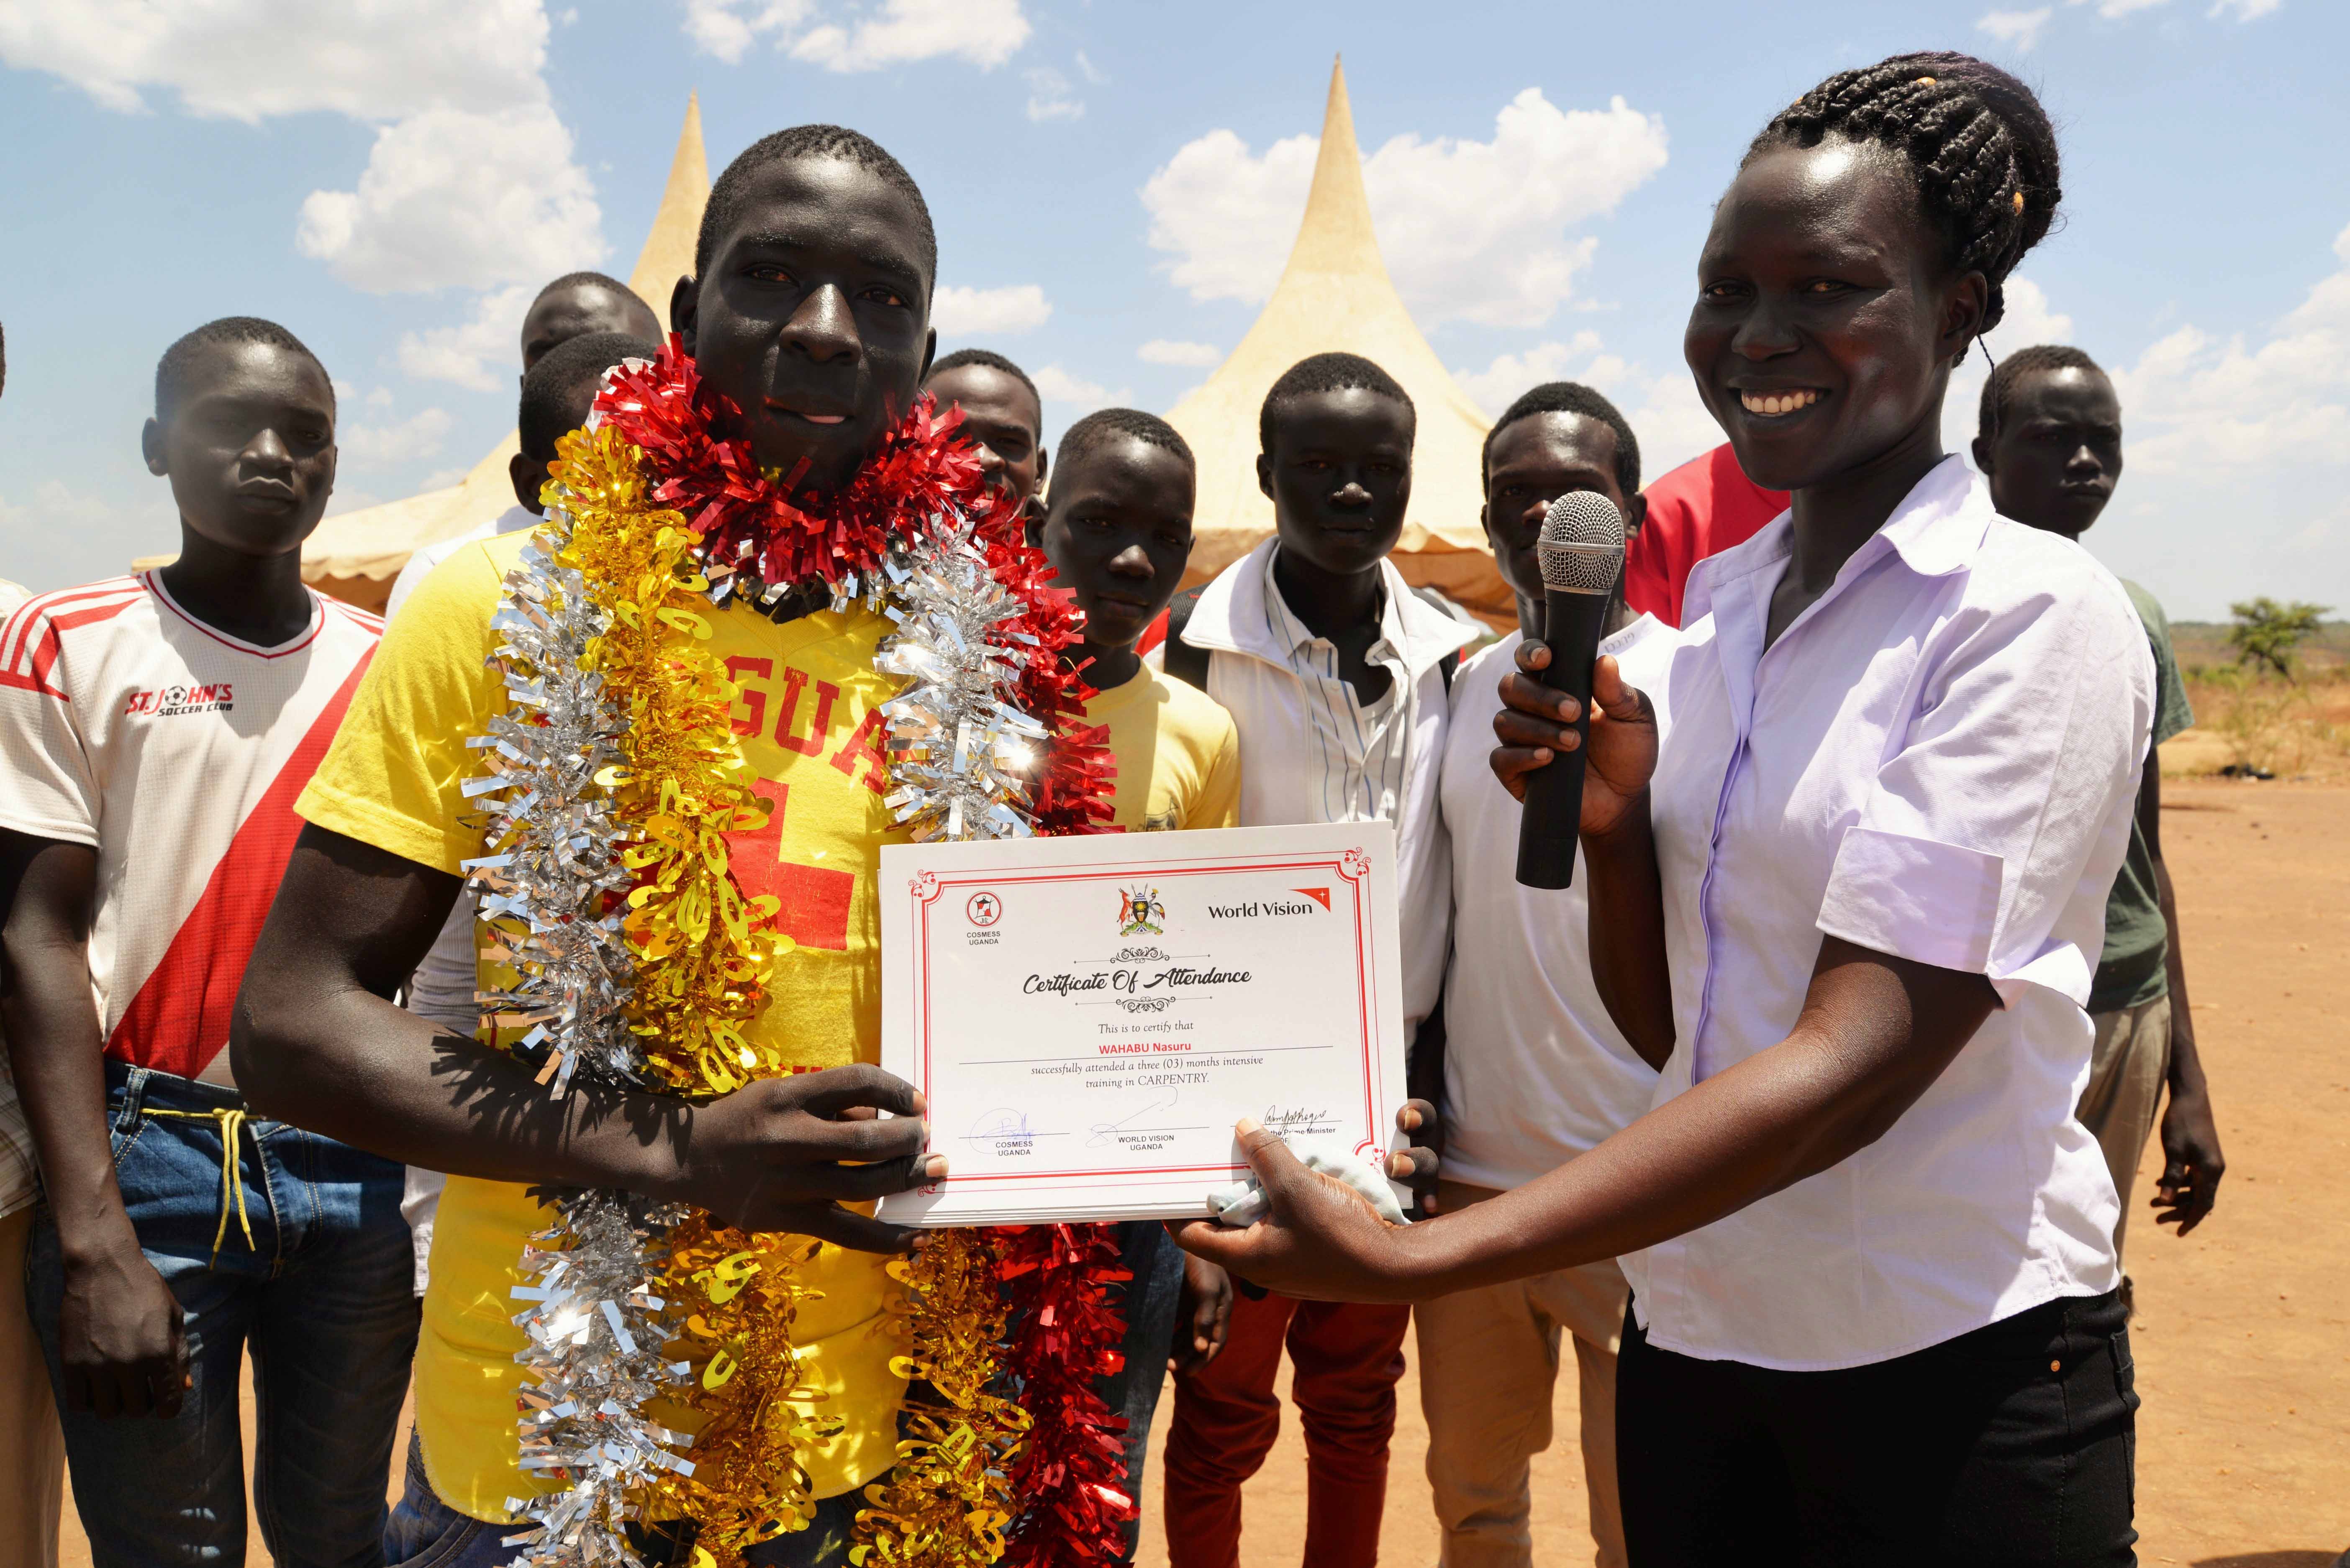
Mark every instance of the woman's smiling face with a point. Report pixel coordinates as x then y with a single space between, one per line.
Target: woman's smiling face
1824 329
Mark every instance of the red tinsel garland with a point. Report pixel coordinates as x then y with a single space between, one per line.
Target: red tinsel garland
747 518
1070 1478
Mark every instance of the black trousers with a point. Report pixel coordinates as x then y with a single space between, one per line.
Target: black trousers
2016 1444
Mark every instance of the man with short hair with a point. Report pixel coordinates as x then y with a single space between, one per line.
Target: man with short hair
1003 411
1535 1072
577 303
154 731
2049 439
806 319
1334 673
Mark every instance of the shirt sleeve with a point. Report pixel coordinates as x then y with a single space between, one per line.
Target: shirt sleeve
1989 837
394 777
48 784
2172 712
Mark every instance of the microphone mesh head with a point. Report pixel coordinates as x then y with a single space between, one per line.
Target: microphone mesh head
1582 544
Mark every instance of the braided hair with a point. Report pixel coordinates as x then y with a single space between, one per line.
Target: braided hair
2038 359
1977 141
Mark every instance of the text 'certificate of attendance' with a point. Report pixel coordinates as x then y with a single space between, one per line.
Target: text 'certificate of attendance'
1088 1016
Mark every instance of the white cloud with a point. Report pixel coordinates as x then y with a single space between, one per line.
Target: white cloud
450 197
1068 396
968 312
1090 71
1171 351
479 353
2216 406
2243 10
986 33
2112 8
472 180
727 28
1470 230
418 436
254 59
1050 97
2017 30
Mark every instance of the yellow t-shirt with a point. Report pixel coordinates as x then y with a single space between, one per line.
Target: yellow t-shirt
1178 756
810 722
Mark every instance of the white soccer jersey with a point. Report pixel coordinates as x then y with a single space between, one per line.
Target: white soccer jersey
176 752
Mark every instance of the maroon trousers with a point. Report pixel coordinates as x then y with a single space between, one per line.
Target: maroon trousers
1346 1359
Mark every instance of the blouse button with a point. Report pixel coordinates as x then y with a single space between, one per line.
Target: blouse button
2055 1367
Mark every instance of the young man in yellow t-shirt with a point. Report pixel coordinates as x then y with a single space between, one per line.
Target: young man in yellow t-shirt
808 310
1116 526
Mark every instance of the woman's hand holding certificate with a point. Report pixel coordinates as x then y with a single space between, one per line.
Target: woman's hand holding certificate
1088 1018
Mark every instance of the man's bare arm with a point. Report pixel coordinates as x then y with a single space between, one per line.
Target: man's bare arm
319 1043
119 1325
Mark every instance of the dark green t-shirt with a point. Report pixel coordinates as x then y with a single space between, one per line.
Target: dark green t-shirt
2131 973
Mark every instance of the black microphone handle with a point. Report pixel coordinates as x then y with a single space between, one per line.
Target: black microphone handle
1550 826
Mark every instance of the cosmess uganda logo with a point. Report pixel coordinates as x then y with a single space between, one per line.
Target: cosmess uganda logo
170 702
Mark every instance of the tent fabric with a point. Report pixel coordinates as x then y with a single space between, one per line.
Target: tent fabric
1334 295
355 555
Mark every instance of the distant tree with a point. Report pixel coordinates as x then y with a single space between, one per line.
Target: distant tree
2268 634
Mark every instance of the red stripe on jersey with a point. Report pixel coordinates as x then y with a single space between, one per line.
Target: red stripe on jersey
46 650
36 610
179 1021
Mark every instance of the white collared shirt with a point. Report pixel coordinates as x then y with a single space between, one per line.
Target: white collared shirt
1536 1072
1938 759
1311 752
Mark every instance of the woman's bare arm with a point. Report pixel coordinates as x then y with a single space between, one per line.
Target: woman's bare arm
1875 1032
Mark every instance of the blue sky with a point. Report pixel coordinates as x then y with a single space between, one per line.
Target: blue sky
1115 188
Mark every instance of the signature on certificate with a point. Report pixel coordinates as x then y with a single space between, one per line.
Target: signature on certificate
1002 1125
1105 1131
1285 1120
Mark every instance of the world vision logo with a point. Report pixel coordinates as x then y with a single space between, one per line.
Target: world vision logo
171 700
1141 912
1319 894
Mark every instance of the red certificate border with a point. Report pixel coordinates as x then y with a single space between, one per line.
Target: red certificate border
1351 866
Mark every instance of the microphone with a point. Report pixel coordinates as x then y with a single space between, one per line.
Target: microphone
1582 555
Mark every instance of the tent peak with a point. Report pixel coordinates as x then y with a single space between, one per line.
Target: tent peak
668 255
1337 235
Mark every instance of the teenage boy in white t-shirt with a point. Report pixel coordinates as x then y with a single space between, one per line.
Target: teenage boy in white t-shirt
1334 676
1535 1072
155 733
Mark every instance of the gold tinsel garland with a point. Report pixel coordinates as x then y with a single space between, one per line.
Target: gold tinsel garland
699 952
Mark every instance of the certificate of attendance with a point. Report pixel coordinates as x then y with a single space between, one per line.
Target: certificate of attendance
1086 1017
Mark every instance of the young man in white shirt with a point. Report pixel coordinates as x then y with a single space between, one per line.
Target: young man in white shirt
576 304
155 733
1335 675
1535 1072
557 391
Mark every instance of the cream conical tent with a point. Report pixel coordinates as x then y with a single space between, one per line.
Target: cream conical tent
1334 295
355 555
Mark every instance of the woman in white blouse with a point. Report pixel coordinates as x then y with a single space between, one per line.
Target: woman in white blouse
1850 906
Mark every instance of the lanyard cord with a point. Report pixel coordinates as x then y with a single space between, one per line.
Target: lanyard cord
232 1122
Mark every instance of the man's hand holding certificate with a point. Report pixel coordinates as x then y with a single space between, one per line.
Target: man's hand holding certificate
1088 1017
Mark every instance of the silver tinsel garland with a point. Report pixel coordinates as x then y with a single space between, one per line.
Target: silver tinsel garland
961 754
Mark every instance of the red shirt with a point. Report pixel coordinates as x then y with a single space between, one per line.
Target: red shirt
1700 509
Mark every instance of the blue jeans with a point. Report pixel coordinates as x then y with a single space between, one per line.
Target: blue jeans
1147 1252
323 1297
426 1532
